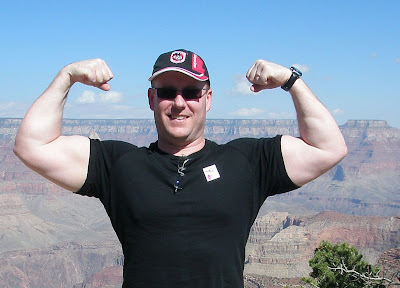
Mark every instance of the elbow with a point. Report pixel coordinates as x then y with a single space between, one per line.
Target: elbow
334 155
340 153
17 150
27 155
343 150
21 150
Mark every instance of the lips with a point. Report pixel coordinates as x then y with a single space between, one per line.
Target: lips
177 117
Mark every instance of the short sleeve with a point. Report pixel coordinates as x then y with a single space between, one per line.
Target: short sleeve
265 158
103 154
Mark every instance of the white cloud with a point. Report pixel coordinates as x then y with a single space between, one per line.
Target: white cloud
13 109
241 86
110 111
337 111
110 97
8 105
87 97
281 115
247 112
120 108
90 97
302 67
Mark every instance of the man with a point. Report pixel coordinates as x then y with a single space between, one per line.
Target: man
183 207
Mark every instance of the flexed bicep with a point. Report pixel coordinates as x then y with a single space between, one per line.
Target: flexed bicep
63 161
39 143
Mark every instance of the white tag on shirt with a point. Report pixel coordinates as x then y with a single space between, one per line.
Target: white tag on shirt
211 173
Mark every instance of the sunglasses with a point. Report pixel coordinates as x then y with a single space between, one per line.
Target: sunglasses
187 93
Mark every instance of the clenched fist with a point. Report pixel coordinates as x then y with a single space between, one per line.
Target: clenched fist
267 75
93 72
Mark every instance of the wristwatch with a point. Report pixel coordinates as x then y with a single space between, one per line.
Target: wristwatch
296 74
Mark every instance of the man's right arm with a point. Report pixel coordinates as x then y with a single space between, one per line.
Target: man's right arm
39 143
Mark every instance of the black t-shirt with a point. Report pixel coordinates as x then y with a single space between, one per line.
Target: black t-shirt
184 221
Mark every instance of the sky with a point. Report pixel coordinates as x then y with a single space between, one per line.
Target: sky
348 51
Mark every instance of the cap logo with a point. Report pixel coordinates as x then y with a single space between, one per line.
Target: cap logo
177 57
197 64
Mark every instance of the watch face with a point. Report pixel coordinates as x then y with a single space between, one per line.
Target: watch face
295 75
296 71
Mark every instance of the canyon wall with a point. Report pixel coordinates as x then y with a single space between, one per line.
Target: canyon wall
52 238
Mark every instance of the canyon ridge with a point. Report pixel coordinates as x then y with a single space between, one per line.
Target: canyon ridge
50 237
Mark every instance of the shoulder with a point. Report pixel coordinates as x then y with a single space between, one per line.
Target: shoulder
249 144
115 144
253 149
111 149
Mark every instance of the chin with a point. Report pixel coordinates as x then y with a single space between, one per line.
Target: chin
180 138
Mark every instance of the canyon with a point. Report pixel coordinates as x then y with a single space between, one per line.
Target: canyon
50 237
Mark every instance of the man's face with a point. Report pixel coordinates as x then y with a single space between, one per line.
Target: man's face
179 122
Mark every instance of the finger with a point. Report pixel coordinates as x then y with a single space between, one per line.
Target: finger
102 83
87 72
109 72
261 72
105 87
89 75
256 88
105 71
103 75
250 71
264 76
256 72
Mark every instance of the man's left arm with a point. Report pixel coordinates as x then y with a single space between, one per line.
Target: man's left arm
321 144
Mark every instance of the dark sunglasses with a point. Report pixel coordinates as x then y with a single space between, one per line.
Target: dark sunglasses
187 93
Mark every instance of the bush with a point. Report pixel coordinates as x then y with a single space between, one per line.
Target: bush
341 266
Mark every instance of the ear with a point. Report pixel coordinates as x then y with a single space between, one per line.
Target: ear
208 99
150 96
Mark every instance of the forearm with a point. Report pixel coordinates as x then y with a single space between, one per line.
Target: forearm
321 144
317 127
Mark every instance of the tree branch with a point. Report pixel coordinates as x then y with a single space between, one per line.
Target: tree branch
370 278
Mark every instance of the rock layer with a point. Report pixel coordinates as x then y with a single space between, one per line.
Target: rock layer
51 237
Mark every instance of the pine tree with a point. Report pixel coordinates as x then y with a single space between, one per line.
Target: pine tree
341 266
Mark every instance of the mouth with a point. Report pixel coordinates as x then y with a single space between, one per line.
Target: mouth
177 117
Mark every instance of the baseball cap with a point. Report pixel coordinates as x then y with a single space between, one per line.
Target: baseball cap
183 61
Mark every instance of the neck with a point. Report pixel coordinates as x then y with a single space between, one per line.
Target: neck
181 149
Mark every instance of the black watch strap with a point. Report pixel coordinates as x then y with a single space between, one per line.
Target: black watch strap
296 74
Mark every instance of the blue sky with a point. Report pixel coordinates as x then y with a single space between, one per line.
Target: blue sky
349 52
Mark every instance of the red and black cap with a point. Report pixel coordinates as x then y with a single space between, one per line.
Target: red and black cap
183 61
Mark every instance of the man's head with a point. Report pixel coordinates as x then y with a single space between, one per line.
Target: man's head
180 97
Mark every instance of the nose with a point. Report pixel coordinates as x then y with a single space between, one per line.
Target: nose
179 101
